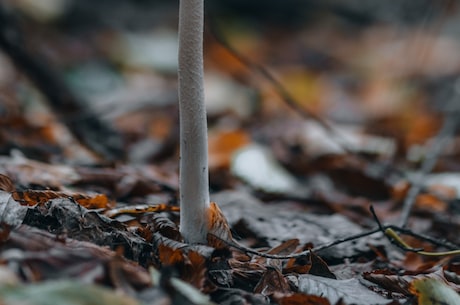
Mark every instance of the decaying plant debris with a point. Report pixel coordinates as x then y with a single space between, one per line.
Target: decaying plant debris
312 121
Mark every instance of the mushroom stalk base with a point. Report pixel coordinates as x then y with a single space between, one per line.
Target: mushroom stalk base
194 180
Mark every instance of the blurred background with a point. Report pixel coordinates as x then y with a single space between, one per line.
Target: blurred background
305 79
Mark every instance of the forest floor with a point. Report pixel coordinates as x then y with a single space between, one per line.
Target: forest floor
333 152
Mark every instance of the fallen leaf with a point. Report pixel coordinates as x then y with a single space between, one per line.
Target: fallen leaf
180 292
97 201
389 281
351 290
65 216
319 267
223 144
452 272
272 282
63 292
430 203
36 255
430 291
257 166
401 283
29 172
12 212
218 227
276 223
33 197
169 256
195 270
6 184
166 227
303 299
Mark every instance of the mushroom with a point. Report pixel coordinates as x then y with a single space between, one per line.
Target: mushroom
194 176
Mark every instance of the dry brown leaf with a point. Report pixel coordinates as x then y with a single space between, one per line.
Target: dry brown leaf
166 227
430 203
29 172
6 184
388 280
223 144
169 256
287 247
218 226
33 197
272 282
98 201
401 283
246 271
303 299
416 263
452 272
319 267
194 271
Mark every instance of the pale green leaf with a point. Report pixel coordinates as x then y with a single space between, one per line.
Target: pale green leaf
430 291
62 292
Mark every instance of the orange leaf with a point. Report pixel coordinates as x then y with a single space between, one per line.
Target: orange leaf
218 226
169 256
99 201
431 203
32 197
195 270
222 144
303 299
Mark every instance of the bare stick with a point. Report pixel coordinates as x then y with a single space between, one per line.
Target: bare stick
390 233
235 244
436 146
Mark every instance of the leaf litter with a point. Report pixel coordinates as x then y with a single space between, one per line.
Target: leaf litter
321 127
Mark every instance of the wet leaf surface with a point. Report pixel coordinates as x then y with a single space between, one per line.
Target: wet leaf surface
351 291
271 224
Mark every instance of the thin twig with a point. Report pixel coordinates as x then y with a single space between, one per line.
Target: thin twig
434 150
235 244
449 125
380 228
391 239
389 232
435 241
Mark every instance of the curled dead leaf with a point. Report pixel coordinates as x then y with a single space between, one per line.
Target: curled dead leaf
34 197
272 282
218 227
169 256
6 184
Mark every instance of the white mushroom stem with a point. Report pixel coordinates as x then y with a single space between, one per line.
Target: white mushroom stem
194 180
